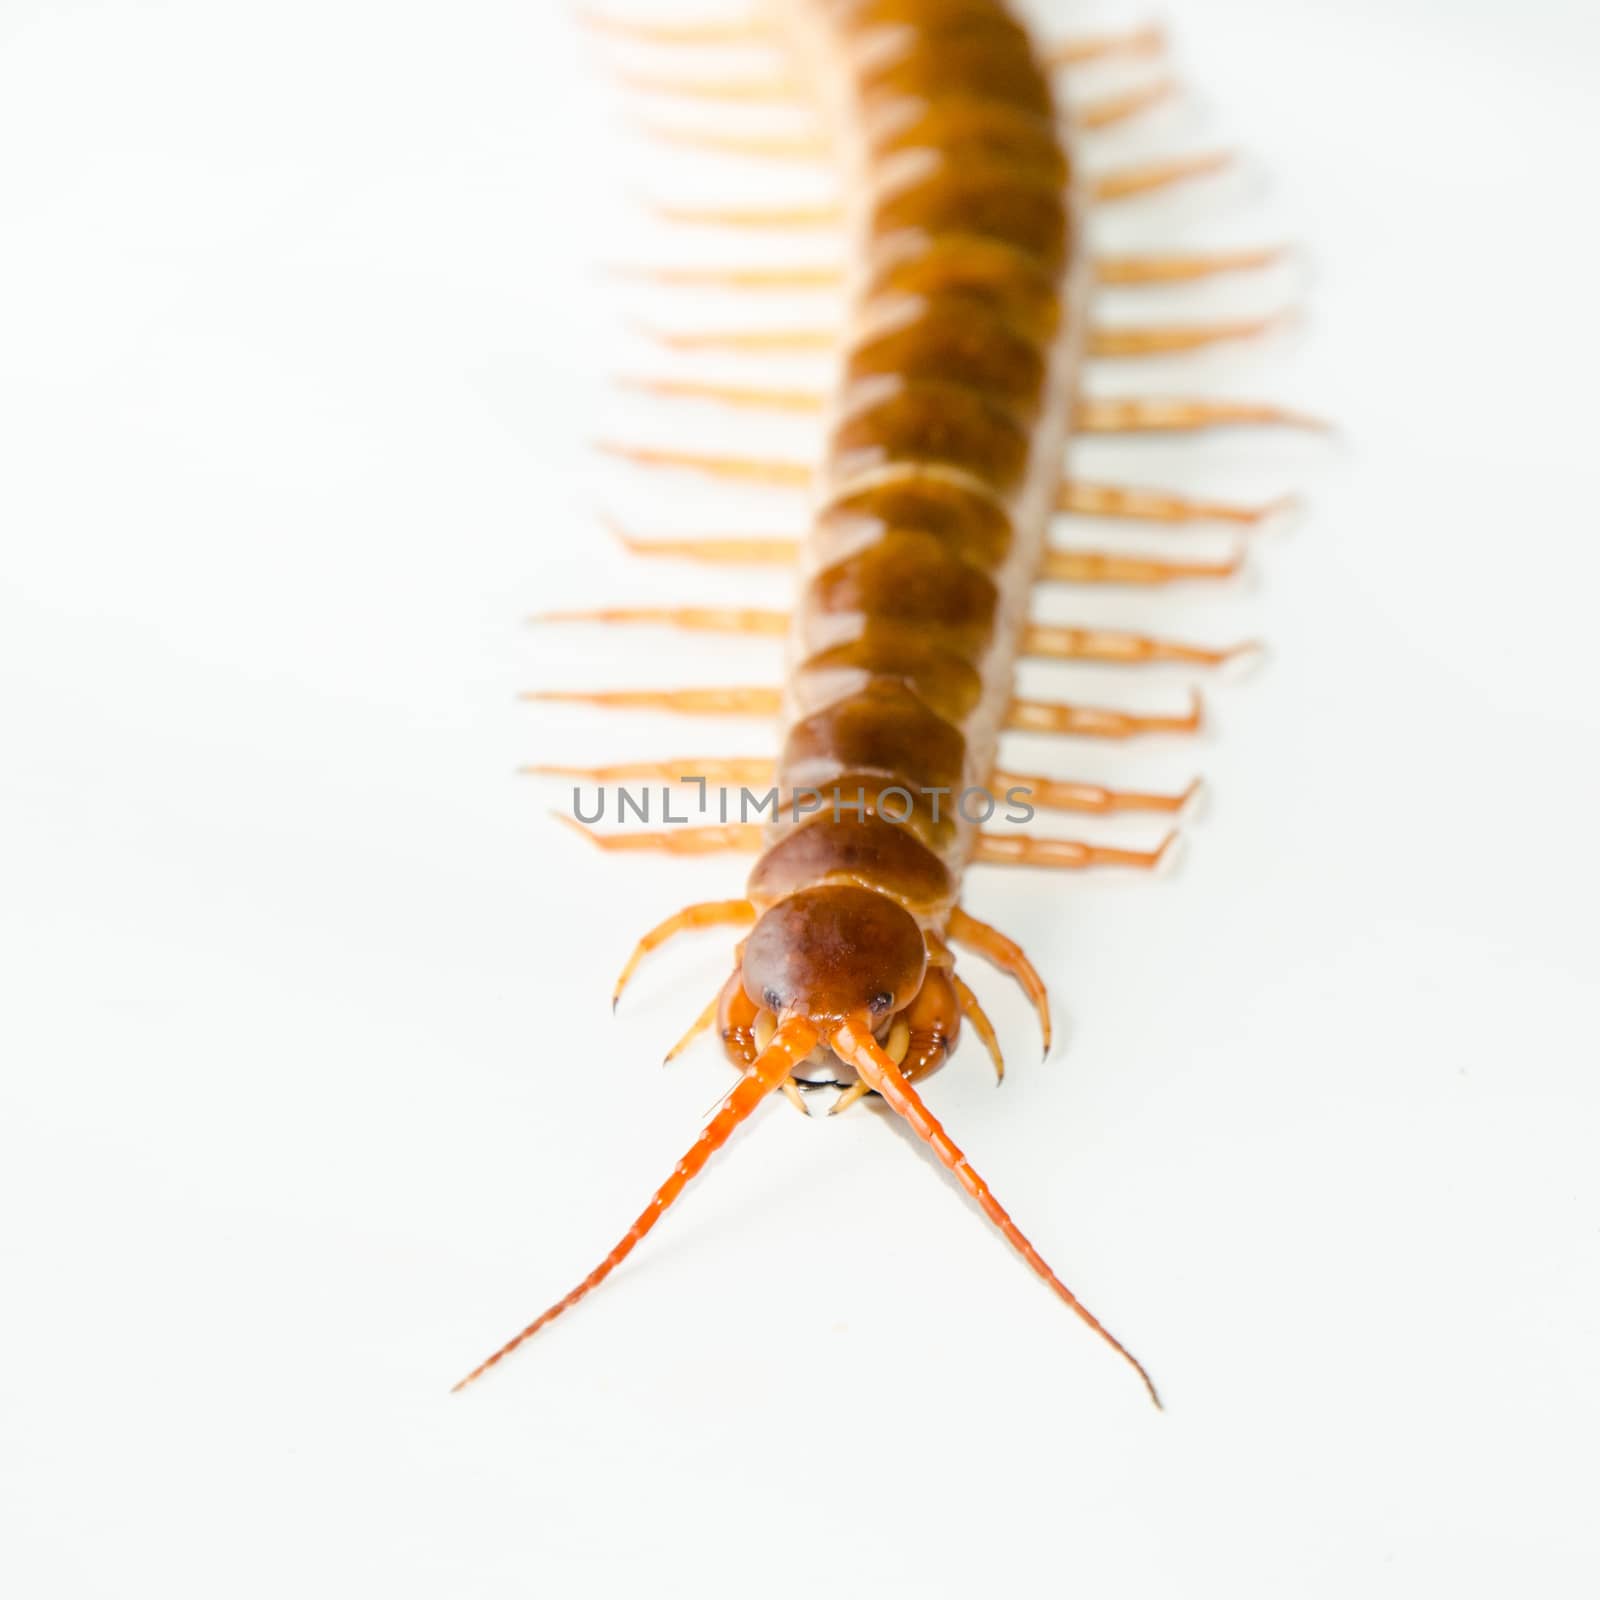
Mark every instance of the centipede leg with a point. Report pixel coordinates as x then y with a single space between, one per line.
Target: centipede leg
1149 40
979 1018
734 838
708 914
735 702
1128 183
1156 505
1111 344
1052 642
1097 722
694 1030
1136 415
714 771
1008 849
1112 110
1140 271
707 31
692 619
742 469
1101 566
1063 794
752 552
1009 957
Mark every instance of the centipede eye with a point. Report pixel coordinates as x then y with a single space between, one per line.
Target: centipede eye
774 1002
881 1003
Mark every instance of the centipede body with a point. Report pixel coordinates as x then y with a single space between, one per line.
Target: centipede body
943 459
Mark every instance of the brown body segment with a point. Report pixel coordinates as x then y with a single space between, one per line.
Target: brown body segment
967 520
934 424
953 392
965 268
943 339
939 194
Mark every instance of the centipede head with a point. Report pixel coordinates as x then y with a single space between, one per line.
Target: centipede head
835 951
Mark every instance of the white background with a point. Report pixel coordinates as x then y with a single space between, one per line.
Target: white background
311 1094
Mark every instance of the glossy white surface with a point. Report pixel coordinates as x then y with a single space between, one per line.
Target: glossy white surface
310 1091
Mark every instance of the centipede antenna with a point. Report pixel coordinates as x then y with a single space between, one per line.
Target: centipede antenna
790 1045
708 914
853 1040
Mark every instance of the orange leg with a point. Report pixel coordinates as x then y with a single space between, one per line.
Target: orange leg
1138 271
748 341
708 914
1009 849
742 91
854 1040
758 551
740 396
694 619
793 219
720 30
785 278
1146 41
690 702
729 838
694 1030
781 474
1126 183
810 147
1109 344
791 1044
1047 642
1150 505
1182 416
979 1018
1101 566
1110 110
1058 794
716 772
1045 716
1008 956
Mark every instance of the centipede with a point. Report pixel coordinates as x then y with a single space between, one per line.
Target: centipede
962 144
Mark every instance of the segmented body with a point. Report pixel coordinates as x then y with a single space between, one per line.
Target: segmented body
944 453
957 388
